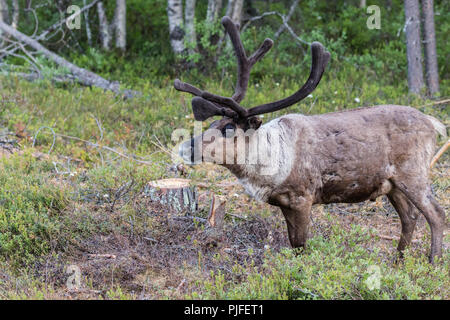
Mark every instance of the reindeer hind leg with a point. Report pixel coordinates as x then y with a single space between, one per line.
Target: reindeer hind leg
419 193
408 214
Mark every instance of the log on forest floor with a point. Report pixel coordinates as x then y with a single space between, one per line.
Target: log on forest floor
83 76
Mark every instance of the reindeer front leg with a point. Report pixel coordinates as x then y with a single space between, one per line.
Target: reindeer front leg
297 214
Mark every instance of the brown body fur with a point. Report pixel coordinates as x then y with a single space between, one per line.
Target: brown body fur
356 155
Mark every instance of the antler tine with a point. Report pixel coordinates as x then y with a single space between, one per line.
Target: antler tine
186 87
209 104
244 67
320 58
202 109
262 50
244 64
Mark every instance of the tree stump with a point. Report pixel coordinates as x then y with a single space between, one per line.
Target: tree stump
176 194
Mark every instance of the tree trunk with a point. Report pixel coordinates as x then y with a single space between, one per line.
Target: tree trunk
230 7
176 32
120 24
4 10
88 27
362 3
4 17
189 20
234 11
15 14
413 46
105 32
237 11
431 65
213 10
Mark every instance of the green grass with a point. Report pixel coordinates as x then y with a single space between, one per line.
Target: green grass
335 267
31 203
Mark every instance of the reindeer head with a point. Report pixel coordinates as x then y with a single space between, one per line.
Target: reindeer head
220 143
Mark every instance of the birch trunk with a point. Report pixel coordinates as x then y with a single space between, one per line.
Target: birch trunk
413 46
237 11
176 32
15 14
431 65
231 12
105 32
4 17
4 11
120 24
230 7
88 27
213 10
189 20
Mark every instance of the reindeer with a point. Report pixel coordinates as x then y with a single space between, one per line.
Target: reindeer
341 157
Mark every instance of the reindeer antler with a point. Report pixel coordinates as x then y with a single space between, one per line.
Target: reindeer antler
320 58
244 64
211 104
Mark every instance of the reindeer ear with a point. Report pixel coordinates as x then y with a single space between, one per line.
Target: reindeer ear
254 123
203 109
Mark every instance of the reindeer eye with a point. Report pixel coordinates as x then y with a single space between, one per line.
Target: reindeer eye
228 130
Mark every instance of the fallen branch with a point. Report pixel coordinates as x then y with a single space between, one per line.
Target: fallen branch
83 76
290 13
53 27
64 21
389 238
440 153
238 216
96 145
35 76
284 22
382 236
101 255
437 103
190 218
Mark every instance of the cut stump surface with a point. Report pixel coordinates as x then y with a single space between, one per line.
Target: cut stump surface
177 194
